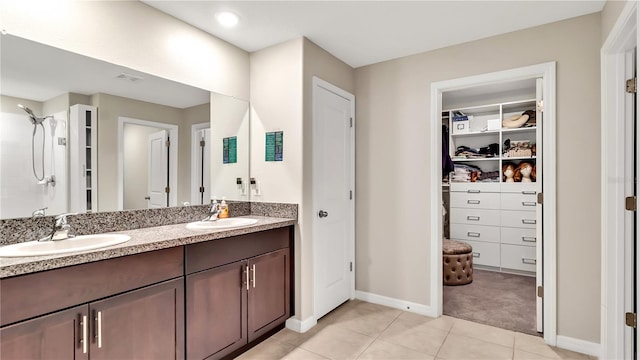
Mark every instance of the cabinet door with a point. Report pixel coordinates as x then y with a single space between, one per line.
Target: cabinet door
141 324
268 292
55 336
217 311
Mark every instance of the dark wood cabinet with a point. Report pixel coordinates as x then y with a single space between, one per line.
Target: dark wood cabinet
229 305
217 311
141 324
56 336
268 292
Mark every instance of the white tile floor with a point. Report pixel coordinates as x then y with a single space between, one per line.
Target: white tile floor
361 330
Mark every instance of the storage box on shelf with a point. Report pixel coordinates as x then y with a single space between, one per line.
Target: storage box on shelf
497 218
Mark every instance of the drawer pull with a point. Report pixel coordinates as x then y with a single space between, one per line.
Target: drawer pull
473 191
476 254
528 261
475 218
528 222
84 339
99 328
473 234
473 202
528 192
246 272
528 239
528 203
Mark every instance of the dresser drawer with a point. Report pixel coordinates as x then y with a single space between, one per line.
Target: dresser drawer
515 201
518 236
487 254
519 219
518 257
475 200
474 188
519 187
475 233
474 217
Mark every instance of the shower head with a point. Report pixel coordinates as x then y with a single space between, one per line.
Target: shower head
32 117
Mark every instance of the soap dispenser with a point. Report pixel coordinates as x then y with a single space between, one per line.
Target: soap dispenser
224 209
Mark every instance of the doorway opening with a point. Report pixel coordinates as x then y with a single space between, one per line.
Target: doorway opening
500 217
150 151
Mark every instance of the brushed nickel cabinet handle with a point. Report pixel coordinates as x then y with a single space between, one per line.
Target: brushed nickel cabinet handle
529 222
474 218
473 234
99 325
473 202
528 193
528 261
84 334
528 239
476 254
246 272
253 270
528 203
473 191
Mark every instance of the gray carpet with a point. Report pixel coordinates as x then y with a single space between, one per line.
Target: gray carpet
503 300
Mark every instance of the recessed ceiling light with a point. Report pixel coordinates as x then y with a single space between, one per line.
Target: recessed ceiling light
227 18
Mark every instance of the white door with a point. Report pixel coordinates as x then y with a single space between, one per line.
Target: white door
333 181
158 173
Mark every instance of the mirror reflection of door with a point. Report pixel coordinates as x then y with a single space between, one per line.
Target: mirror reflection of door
145 167
200 164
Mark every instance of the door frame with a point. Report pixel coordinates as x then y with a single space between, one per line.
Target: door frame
614 287
195 147
546 71
317 84
173 156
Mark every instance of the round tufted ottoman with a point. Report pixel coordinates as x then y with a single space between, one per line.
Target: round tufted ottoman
457 263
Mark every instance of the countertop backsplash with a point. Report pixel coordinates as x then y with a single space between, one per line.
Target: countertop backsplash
27 229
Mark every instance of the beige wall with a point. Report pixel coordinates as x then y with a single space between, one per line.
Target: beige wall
109 109
276 105
9 104
392 150
320 63
610 14
134 35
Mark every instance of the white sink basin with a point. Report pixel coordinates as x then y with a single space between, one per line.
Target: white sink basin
78 243
221 223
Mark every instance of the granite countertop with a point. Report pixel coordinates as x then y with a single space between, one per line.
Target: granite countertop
142 240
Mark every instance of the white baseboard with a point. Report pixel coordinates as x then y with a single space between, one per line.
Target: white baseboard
577 345
396 303
303 326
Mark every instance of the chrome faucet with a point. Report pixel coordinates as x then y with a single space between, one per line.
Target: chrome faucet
60 229
213 212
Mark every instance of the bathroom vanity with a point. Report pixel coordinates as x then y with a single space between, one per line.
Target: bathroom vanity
175 294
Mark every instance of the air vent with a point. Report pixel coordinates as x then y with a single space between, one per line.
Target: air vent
132 78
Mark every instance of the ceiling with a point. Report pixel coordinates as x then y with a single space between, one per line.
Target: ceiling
34 71
366 32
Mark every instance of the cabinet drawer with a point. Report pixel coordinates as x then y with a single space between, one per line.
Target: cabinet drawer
487 254
475 200
518 236
519 187
519 219
515 201
475 233
474 216
475 187
518 257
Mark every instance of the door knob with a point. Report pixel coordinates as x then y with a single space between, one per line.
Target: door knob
323 214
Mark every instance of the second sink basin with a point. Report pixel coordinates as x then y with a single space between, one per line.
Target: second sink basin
78 243
221 223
